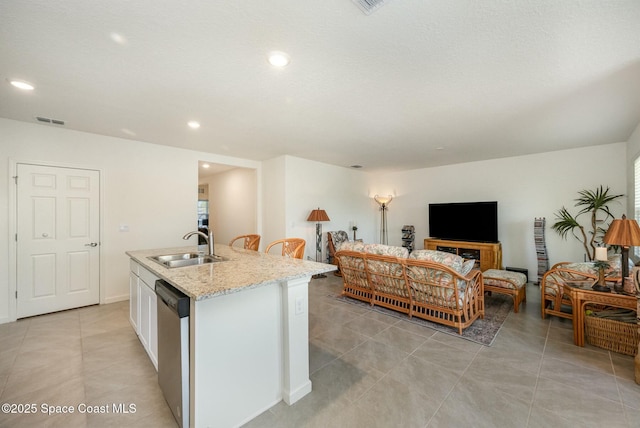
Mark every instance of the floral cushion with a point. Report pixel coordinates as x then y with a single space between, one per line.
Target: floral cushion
350 246
614 269
386 250
338 237
435 285
387 277
453 261
555 279
467 267
502 278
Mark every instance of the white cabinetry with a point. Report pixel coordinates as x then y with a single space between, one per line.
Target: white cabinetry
134 301
143 313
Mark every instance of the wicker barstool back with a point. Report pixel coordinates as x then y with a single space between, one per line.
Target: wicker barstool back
291 247
251 242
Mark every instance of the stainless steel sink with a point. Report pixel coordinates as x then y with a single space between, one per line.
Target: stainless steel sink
185 259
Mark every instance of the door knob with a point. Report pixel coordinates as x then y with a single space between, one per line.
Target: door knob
45 235
93 244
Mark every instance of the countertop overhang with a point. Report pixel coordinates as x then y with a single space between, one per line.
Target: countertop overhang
244 269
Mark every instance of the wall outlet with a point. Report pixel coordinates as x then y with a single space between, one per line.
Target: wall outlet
300 305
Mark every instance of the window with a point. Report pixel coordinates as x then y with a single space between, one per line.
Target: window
636 198
203 213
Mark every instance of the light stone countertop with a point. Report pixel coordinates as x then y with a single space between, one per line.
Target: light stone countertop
244 269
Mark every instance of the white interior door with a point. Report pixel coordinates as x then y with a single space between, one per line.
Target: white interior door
58 242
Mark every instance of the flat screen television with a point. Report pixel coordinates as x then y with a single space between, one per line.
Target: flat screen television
464 221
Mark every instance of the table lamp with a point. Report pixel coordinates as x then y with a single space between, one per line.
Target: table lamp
318 216
625 233
601 263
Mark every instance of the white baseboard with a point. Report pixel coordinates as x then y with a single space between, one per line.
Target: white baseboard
115 299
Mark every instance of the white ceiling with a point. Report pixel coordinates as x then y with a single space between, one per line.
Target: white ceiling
417 83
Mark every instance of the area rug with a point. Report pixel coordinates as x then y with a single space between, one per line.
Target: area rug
483 331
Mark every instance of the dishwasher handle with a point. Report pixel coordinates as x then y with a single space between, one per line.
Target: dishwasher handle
174 299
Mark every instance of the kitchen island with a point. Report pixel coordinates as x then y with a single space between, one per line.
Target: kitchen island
248 338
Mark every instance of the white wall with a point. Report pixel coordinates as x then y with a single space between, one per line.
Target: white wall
525 187
274 197
151 188
341 192
233 197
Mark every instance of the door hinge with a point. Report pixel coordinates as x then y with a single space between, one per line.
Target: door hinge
16 294
15 178
16 237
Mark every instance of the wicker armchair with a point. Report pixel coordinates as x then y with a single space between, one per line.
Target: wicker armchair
334 240
250 242
552 295
291 247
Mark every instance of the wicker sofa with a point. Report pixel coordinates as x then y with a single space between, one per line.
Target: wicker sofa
433 285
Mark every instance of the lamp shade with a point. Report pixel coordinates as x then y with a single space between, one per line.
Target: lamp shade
623 232
318 215
383 200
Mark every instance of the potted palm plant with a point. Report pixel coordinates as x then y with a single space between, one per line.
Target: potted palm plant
593 203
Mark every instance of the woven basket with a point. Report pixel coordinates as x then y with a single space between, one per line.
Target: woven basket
616 336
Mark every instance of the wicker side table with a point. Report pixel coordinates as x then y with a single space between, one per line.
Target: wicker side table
581 295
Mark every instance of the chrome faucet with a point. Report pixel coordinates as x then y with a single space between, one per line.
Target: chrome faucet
208 238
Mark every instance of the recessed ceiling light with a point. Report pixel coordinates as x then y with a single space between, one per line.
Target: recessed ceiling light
279 59
20 84
205 165
193 124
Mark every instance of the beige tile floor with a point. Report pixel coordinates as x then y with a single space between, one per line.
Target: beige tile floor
87 356
368 370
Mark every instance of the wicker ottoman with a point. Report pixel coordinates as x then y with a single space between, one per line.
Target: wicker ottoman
506 282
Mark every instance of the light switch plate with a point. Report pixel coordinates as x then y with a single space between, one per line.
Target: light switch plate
299 305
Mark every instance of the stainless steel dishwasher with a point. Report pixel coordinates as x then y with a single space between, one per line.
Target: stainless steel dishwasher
173 349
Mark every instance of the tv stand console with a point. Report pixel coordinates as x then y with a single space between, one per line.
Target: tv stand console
486 254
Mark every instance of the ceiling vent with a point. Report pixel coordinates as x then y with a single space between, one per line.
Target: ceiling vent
369 6
48 120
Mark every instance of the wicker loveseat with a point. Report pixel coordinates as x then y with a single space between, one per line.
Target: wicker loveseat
433 285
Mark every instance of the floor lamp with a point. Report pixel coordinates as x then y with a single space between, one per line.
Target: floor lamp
318 216
383 202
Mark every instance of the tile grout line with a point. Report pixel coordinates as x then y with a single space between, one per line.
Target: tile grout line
455 384
621 398
535 387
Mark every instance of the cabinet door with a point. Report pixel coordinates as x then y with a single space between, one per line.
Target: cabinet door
149 322
147 305
145 319
134 301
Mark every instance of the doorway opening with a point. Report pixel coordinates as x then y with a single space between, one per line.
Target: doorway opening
227 200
